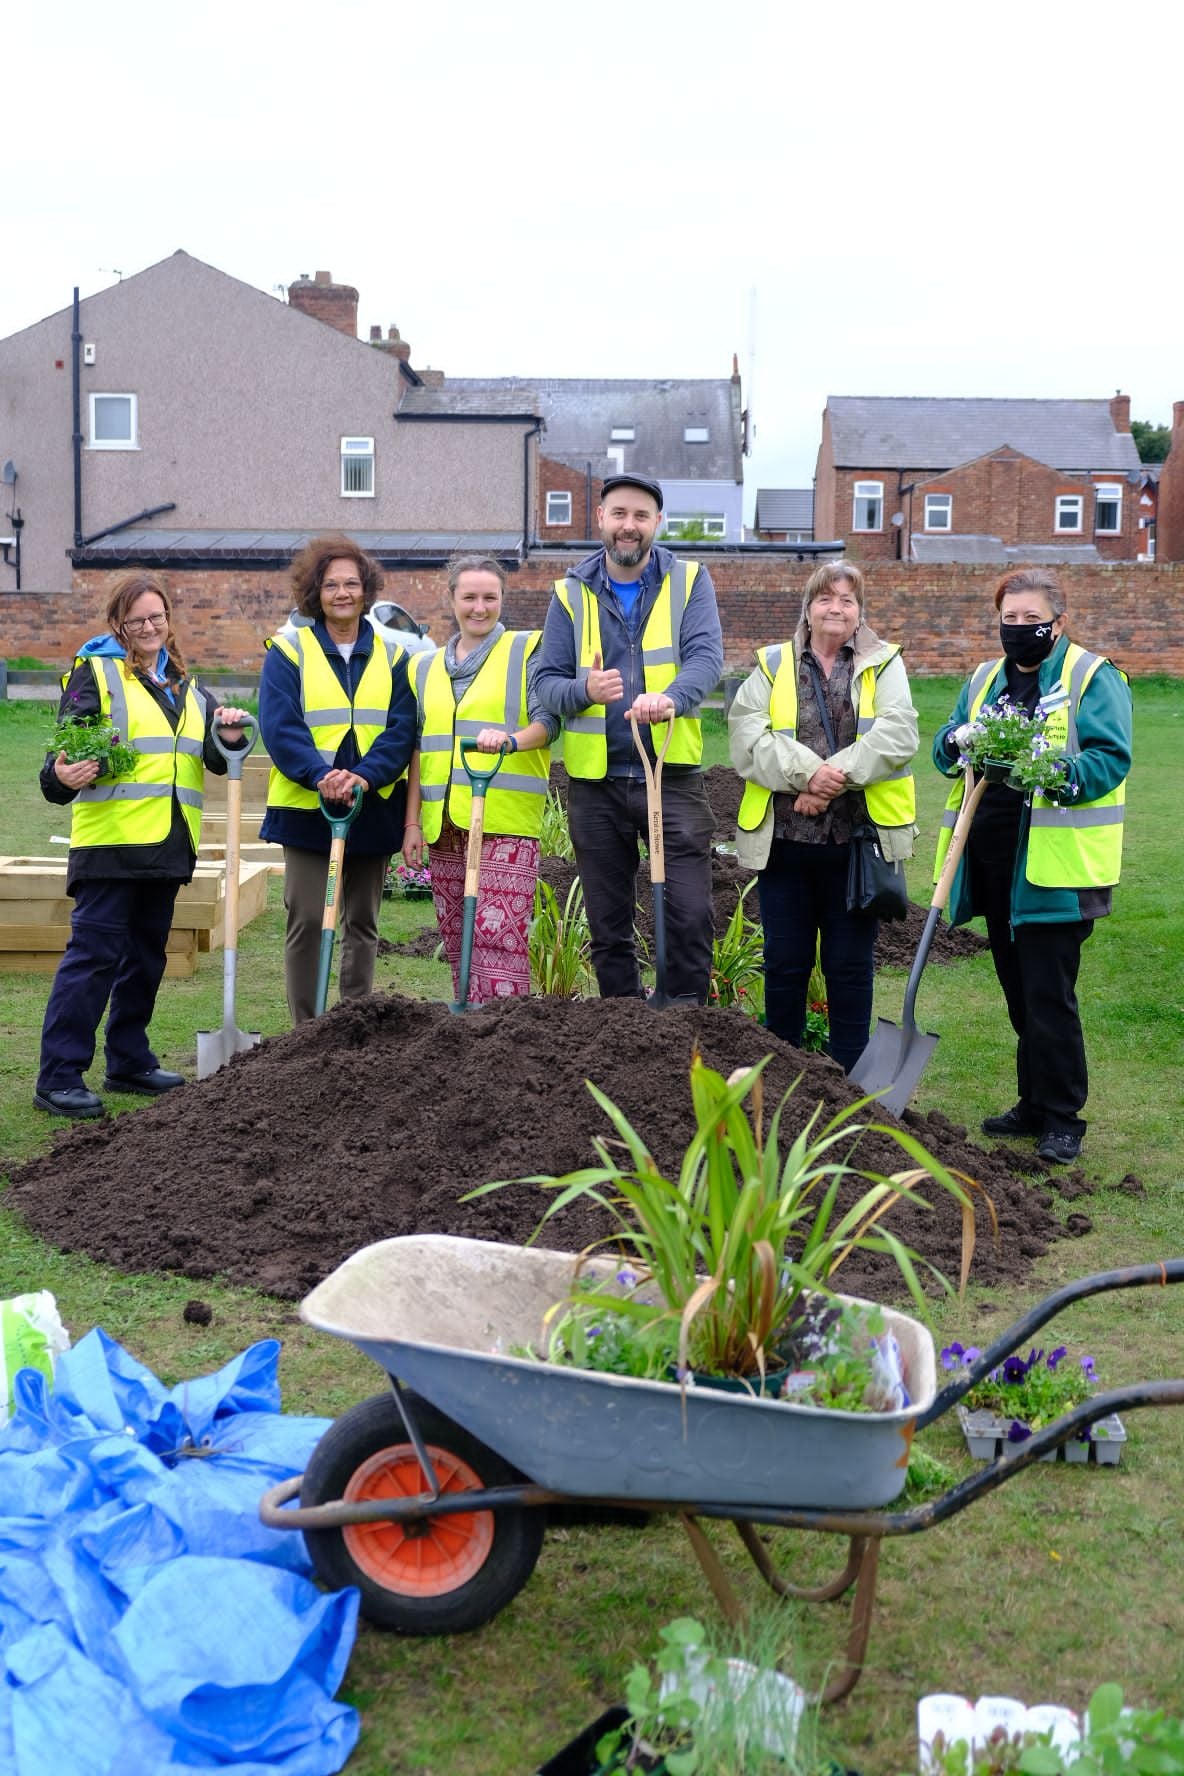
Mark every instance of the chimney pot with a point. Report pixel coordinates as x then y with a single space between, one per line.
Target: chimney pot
324 277
375 334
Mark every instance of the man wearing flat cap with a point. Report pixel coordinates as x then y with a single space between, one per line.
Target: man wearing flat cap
633 635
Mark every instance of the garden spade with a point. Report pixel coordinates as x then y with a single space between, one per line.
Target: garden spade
215 1047
339 825
659 999
479 782
897 1054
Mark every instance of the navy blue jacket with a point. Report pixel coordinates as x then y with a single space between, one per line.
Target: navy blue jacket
378 829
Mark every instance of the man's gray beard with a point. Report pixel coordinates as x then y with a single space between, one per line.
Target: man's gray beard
625 557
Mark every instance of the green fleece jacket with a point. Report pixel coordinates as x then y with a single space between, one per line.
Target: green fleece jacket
1101 764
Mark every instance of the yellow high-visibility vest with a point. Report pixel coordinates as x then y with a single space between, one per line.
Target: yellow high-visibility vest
1079 846
891 802
138 810
585 744
516 797
330 711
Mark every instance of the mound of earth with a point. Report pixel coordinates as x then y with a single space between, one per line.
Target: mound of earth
375 1119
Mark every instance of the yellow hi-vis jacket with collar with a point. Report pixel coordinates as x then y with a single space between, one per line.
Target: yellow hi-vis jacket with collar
516 797
890 802
328 710
585 748
1079 844
138 810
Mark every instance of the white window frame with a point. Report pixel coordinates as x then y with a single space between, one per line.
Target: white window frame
129 443
696 434
867 491
1061 511
353 452
622 434
939 504
715 524
1109 493
560 497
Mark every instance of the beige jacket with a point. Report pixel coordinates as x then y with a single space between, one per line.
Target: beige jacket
779 764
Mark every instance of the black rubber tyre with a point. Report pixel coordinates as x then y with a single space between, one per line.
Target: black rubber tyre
452 1575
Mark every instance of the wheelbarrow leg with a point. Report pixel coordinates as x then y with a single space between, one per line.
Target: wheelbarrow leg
847 1676
759 1555
713 1570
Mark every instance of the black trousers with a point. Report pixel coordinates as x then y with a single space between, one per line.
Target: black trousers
1037 967
803 897
606 818
116 953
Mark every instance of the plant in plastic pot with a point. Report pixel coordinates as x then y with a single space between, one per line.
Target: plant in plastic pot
1010 746
720 1261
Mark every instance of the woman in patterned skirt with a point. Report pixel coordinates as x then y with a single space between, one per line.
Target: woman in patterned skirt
480 687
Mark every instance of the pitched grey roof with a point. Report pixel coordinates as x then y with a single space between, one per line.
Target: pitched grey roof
993 549
581 412
785 508
272 545
923 432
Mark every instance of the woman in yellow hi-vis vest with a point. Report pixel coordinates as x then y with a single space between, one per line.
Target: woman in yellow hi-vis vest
480 687
133 845
336 713
1041 869
807 790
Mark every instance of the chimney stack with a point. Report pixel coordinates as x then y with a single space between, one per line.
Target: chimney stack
393 343
431 379
320 297
1120 411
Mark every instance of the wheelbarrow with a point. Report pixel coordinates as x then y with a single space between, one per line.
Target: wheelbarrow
432 1497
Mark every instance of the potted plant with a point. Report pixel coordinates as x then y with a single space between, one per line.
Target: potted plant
83 737
727 1269
413 882
1114 1740
696 1712
1010 746
1023 1395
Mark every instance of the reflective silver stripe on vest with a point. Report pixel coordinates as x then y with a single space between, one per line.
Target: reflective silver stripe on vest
193 748
1076 685
126 792
323 717
515 668
773 658
504 780
660 656
679 599
893 777
949 817
1077 816
864 724
575 592
326 754
159 743
117 691
432 792
981 675
435 743
584 724
373 717
468 728
190 798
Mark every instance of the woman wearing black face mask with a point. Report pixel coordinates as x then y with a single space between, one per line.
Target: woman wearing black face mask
1040 868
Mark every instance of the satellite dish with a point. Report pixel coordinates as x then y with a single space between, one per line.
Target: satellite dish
897 519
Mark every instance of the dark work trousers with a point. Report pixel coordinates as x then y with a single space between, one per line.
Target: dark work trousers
1037 968
306 875
116 952
606 817
803 898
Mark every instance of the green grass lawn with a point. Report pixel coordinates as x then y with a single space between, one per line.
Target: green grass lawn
1066 1576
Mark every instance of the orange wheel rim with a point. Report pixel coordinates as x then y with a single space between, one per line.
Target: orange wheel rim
418 1560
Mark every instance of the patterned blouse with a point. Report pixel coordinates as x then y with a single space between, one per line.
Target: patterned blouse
848 810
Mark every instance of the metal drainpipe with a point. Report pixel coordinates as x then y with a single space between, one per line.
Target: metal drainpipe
588 499
527 526
76 366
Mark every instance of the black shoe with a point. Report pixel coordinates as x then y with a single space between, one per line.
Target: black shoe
1058 1147
144 1085
75 1101
1016 1121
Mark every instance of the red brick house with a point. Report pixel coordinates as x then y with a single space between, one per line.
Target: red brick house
917 478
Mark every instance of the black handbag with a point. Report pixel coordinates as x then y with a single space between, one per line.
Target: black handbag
876 886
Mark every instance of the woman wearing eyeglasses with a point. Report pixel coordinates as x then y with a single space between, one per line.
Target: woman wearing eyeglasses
133 845
336 714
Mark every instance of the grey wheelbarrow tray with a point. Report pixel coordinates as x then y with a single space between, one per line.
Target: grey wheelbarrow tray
439 1315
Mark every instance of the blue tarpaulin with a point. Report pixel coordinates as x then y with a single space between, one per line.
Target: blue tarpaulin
148 1621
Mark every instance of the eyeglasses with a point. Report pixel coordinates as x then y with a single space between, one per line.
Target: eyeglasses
341 585
138 625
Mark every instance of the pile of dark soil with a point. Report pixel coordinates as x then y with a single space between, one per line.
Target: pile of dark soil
375 1119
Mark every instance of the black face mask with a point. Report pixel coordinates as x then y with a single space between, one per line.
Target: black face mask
1027 643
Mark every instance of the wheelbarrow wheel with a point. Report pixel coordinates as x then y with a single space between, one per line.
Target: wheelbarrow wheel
446 1576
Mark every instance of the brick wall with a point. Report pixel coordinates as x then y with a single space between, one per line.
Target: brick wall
943 615
557 477
1169 535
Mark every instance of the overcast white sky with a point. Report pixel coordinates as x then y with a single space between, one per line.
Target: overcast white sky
914 198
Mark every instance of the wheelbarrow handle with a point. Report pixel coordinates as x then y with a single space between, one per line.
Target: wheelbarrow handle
480 780
235 755
339 824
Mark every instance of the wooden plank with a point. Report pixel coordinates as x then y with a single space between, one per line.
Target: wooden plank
56 937
179 965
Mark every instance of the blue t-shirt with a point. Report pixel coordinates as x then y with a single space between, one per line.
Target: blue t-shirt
627 592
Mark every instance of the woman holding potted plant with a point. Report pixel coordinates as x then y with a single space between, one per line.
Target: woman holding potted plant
1045 847
480 686
133 736
823 731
